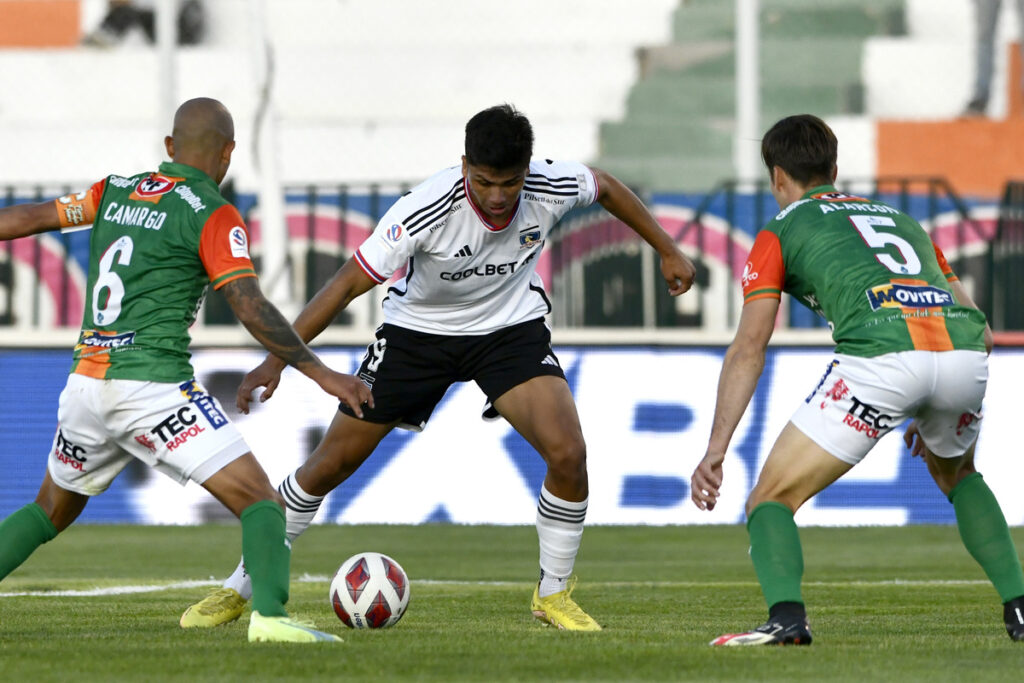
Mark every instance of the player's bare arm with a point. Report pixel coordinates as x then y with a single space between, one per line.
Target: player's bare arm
677 269
22 220
741 369
271 329
347 284
960 292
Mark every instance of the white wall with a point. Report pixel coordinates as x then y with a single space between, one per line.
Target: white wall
363 89
929 74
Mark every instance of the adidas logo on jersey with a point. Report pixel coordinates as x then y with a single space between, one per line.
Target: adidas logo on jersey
549 360
465 251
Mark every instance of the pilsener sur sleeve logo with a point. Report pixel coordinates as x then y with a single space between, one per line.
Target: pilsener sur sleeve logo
239 242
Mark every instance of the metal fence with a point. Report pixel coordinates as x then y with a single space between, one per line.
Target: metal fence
599 274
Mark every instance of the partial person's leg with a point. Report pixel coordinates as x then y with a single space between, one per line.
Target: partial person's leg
37 523
796 469
542 410
984 531
242 486
986 17
347 444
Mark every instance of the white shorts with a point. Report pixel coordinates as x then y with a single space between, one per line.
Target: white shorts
178 429
859 400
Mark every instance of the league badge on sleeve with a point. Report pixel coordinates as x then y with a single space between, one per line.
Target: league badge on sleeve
391 236
239 242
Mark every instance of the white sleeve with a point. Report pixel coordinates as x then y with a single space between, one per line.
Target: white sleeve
387 249
570 181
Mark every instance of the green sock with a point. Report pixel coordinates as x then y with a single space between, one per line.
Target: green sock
21 533
267 557
985 535
776 552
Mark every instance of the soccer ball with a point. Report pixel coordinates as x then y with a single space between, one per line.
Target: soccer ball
370 590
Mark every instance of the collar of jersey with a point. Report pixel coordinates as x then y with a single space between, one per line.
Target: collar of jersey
487 224
169 168
818 190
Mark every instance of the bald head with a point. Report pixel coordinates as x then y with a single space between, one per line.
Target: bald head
202 122
203 136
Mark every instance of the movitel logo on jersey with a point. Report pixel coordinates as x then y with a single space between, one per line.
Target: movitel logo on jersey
239 242
151 189
898 295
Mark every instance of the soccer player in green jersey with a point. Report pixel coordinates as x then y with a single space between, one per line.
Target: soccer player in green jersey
157 241
910 344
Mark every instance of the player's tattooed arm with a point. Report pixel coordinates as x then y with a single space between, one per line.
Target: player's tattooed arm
266 324
22 220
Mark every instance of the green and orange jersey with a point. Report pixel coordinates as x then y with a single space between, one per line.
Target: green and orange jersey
870 270
157 241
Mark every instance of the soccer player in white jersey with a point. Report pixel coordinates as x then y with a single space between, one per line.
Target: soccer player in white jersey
470 307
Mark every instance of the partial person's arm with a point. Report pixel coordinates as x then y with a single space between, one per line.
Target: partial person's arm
23 220
960 292
347 284
741 370
271 329
621 202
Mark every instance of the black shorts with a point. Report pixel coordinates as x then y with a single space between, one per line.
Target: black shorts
409 371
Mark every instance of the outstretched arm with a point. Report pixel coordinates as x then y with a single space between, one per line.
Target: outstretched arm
22 220
741 369
622 203
348 283
271 329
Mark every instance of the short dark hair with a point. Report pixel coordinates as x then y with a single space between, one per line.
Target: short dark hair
803 146
499 137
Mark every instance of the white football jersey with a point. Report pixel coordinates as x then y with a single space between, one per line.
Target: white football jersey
464 275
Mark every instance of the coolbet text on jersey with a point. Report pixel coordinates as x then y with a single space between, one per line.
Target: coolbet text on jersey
464 275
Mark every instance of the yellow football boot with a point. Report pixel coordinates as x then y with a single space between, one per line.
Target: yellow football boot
221 606
561 610
286 630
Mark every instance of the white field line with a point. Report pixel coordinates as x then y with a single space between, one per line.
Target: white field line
308 578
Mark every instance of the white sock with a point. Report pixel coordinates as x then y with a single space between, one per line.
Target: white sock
299 507
560 531
240 581
299 510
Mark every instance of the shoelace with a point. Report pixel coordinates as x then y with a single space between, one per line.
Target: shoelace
216 601
569 606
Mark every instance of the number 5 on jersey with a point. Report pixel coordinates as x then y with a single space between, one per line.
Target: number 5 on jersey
877 239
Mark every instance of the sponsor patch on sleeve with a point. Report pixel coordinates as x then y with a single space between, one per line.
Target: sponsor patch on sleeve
239 242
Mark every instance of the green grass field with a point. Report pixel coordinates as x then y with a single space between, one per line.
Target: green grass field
885 604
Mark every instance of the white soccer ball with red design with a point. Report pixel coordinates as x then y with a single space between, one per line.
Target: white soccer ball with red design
370 590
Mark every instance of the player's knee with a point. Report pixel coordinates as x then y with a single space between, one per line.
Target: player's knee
948 472
763 494
568 461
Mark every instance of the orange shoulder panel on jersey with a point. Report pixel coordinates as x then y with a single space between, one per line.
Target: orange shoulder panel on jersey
79 209
764 273
224 247
944 264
